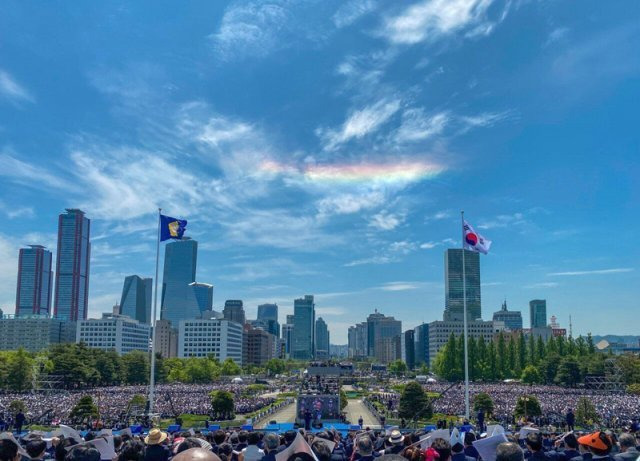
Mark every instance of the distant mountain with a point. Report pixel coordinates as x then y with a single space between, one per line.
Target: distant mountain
627 339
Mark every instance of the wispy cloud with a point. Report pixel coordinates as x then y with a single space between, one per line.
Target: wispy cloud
534 286
12 90
360 123
431 244
616 270
400 286
433 19
16 211
503 221
30 175
370 260
352 10
386 221
416 126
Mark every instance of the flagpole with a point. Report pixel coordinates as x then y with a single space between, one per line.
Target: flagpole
153 326
466 333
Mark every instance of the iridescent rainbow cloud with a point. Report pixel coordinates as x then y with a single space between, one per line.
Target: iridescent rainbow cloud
398 172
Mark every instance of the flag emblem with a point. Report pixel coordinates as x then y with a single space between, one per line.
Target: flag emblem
474 241
171 228
471 238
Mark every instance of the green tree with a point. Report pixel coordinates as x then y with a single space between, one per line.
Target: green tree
343 399
591 348
492 365
531 375
511 359
630 365
397 367
586 414
136 367
222 404
568 373
414 403
74 363
84 411
230 368
481 368
17 406
20 371
176 372
473 359
161 371
502 356
522 353
423 369
531 350
275 366
483 401
137 401
108 364
527 406
540 349
549 368
634 389
581 346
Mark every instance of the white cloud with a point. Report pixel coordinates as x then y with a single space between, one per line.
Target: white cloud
617 270
49 240
8 272
556 35
429 245
416 126
534 286
360 123
401 286
503 221
350 11
403 247
371 260
16 211
432 19
439 215
348 203
12 90
29 175
386 221
484 119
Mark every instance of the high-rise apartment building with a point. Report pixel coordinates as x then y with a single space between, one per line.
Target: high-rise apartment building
453 285
260 346
357 340
135 301
120 333
538 313
268 315
304 318
322 339
33 294
234 311
512 319
71 300
180 260
166 339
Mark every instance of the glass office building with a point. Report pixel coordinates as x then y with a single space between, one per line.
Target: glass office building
72 266
453 285
304 318
136 298
268 315
33 293
180 258
538 313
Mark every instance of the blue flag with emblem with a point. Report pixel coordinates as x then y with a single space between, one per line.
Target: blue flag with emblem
171 228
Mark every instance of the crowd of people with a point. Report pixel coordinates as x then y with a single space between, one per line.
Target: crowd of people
614 410
325 445
113 402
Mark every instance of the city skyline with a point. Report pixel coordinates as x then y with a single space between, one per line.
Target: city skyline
330 150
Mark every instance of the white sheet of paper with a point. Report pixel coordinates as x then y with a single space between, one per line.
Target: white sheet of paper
487 447
431 436
524 431
70 432
299 445
494 429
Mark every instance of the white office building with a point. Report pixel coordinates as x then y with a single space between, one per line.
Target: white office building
118 332
201 337
439 332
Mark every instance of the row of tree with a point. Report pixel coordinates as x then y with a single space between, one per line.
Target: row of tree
560 360
78 366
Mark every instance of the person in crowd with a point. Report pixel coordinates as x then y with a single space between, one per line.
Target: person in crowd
131 450
570 450
9 450
480 419
365 448
571 420
598 445
156 450
509 451
19 422
395 443
535 451
196 454
628 450
443 447
37 449
271 444
83 453
469 449
457 447
251 452
360 421
321 450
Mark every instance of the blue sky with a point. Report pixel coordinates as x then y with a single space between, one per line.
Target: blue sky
326 147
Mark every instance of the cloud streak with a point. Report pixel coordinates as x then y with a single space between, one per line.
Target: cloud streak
12 90
616 270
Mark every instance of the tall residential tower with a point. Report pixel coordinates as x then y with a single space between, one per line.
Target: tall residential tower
33 294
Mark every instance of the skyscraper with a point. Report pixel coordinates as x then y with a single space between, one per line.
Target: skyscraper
409 349
512 319
379 327
421 344
453 285
287 336
33 294
72 266
234 311
538 313
268 314
136 298
322 339
180 259
304 317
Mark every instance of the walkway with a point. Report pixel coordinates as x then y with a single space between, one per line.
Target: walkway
355 409
286 414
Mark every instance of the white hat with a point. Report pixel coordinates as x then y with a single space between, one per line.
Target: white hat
456 437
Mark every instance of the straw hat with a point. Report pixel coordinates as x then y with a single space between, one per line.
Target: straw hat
155 437
396 437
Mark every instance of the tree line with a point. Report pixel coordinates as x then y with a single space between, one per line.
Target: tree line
559 360
77 366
